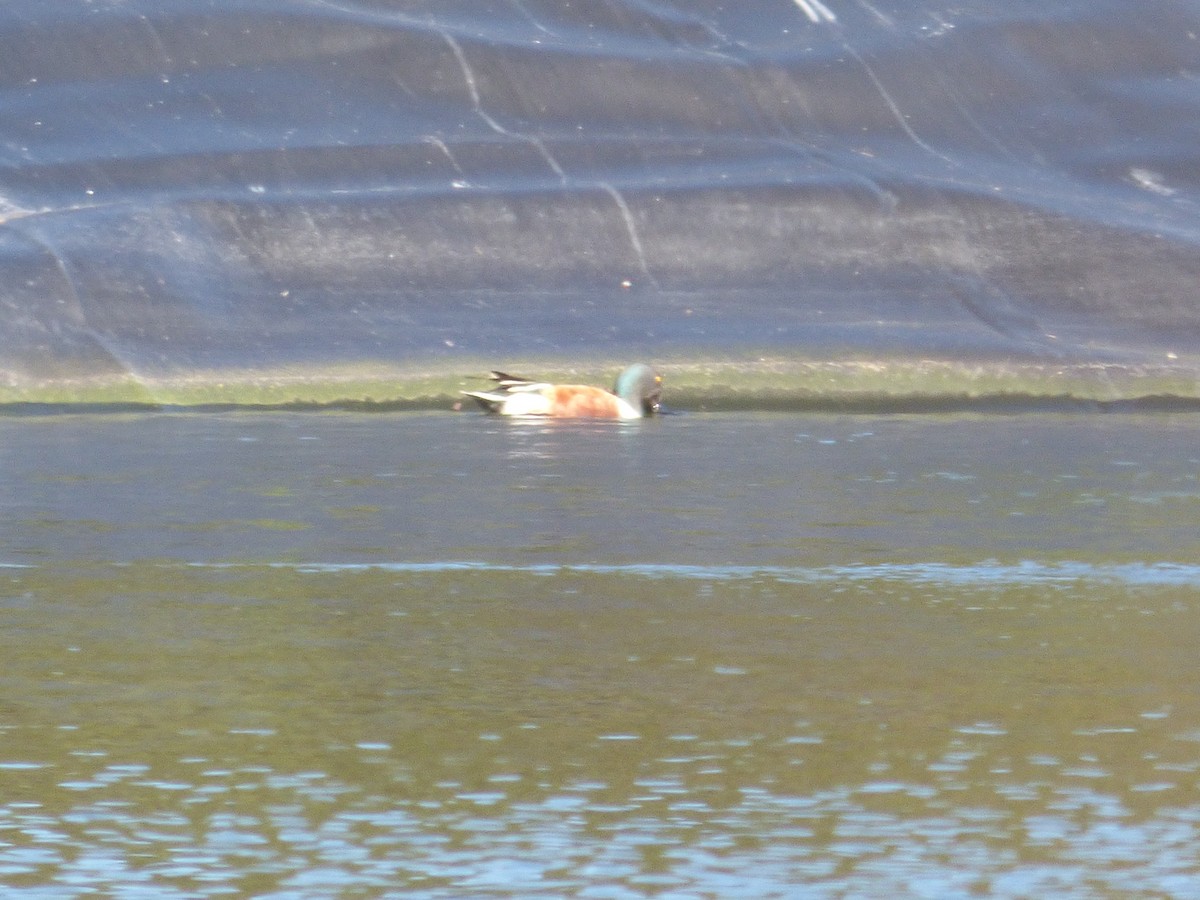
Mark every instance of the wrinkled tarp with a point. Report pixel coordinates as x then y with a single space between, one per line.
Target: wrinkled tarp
199 184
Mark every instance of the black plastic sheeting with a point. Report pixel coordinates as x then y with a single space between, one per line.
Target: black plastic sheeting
187 184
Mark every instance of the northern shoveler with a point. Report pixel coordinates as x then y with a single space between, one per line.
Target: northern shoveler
636 395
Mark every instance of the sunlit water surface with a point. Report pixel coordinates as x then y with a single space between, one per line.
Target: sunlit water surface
314 655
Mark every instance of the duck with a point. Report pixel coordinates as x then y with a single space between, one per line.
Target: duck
635 396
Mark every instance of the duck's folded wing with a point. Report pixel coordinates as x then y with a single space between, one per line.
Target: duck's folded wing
509 382
490 402
513 385
525 400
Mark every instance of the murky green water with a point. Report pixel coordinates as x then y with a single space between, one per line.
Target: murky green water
707 656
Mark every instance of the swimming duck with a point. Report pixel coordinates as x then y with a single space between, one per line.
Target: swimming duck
636 395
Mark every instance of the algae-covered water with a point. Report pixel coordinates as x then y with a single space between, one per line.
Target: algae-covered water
731 654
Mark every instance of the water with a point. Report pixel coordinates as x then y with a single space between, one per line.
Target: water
300 655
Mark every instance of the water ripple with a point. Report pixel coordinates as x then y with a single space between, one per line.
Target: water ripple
981 574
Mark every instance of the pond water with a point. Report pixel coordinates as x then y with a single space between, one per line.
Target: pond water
737 655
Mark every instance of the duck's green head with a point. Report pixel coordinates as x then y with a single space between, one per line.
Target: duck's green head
641 387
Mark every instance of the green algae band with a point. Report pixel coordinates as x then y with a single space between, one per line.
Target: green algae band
749 384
